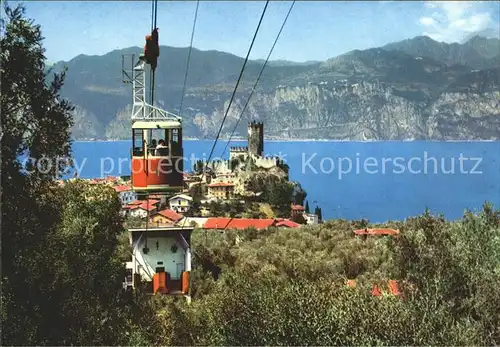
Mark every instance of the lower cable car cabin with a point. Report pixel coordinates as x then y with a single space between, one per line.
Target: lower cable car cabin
157 156
161 259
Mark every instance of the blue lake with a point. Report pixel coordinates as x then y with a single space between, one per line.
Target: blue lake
375 180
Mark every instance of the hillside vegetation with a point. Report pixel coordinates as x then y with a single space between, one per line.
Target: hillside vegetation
287 287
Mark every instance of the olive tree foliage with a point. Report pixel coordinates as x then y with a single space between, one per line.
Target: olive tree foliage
287 287
456 266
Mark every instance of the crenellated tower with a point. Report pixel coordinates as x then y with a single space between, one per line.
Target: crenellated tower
256 138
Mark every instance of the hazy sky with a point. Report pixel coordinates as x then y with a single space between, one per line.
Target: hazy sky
314 31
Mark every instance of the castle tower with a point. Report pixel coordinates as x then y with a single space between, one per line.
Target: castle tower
256 138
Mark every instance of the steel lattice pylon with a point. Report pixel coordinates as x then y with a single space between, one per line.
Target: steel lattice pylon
141 110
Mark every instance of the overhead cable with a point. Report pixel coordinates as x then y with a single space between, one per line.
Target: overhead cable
258 79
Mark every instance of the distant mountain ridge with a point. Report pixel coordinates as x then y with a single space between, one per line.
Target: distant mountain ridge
489 33
478 52
404 90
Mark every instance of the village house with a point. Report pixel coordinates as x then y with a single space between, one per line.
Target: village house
140 208
221 190
125 193
311 219
180 203
165 217
141 211
297 210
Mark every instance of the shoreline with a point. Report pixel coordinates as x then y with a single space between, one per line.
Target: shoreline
305 140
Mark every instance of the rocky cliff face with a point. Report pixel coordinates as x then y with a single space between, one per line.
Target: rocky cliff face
414 89
373 111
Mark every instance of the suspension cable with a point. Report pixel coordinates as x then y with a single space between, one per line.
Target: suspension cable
156 12
237 83
154 16
189 56
258 78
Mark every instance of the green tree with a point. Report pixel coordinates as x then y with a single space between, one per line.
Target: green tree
85 285
216 208
299 194
288 288
307 207
198 166
60 271
280 197
317 212
36 123
234 163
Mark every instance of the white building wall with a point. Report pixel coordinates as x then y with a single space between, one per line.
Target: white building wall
311 219
180 204
139 212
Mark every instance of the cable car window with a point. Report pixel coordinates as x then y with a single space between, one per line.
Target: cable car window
138 142
175 135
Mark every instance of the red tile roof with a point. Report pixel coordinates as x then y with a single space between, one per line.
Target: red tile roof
392 285
287 223
145 207
221 184
122 188
298 208
237 223
377 231
170 214
139 202
96 181
376 290
351 283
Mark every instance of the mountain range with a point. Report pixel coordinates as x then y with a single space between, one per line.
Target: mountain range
413 89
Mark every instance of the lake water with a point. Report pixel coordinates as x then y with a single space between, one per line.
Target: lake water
379 181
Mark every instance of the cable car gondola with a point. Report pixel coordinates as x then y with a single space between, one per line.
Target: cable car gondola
157 156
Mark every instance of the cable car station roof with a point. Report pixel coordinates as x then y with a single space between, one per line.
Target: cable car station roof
158 124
